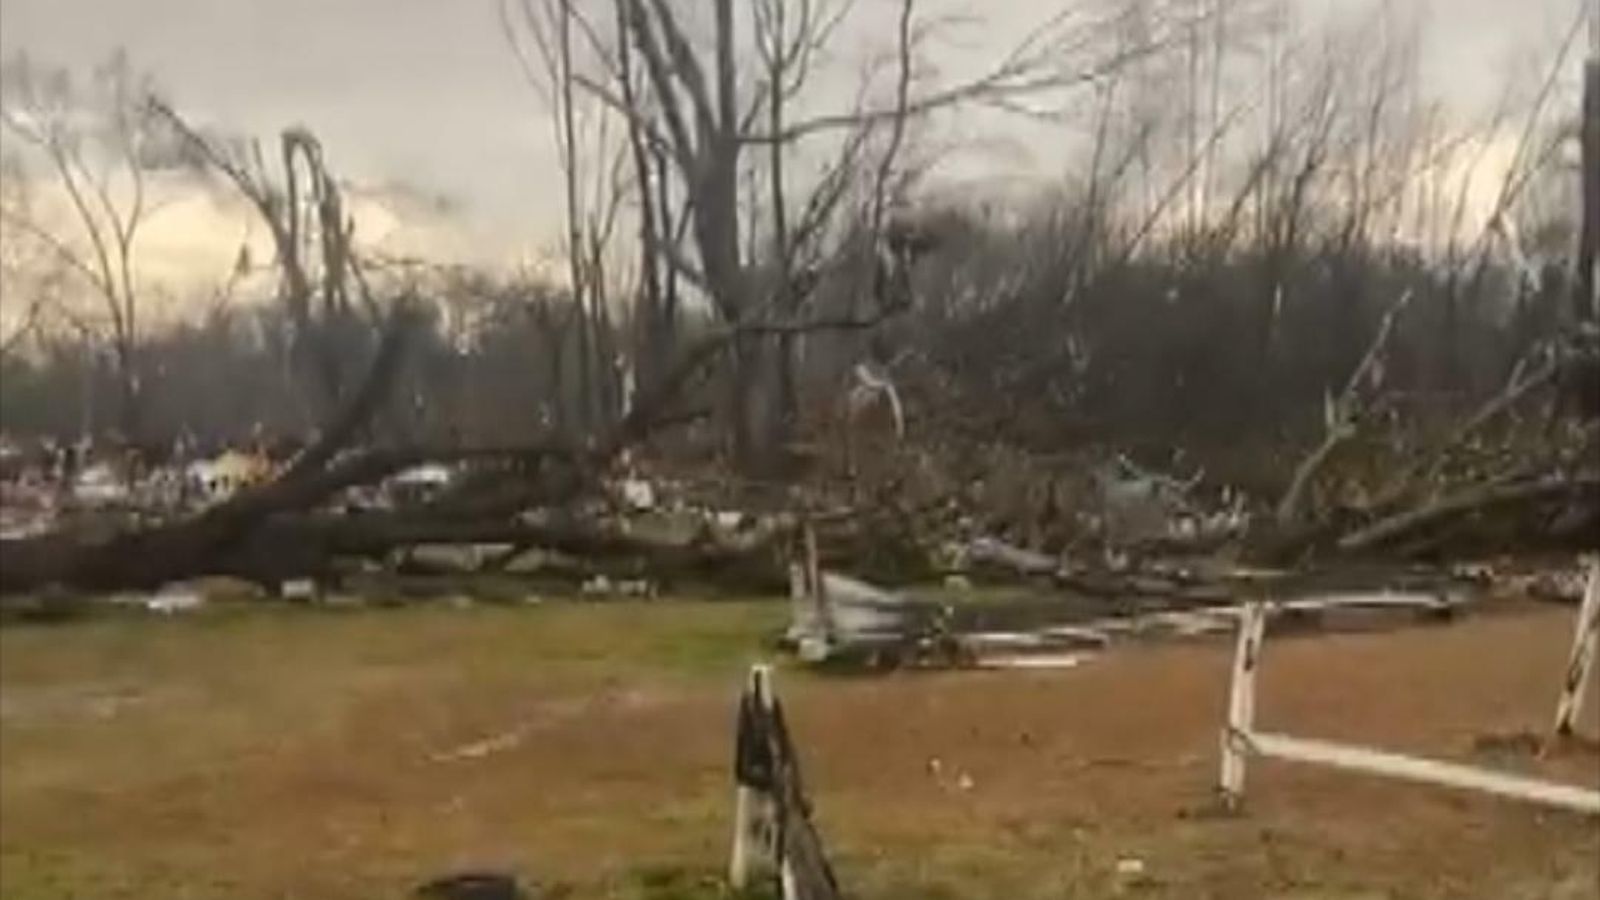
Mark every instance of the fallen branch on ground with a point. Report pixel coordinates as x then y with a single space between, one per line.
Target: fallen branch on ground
1478 498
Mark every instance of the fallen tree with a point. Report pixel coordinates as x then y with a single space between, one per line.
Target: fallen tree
276 530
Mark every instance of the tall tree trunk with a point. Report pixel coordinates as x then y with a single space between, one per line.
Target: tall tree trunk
650 354
742 390
575 248
717 232
1583 297
787 402
666 336
607 388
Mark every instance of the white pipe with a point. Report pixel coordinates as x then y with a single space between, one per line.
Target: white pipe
1377 762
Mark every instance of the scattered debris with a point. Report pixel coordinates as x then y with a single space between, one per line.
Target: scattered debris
485 747
418 484
845 619
100 485
175 599
299 589
1139 506
1130 867
1085 608
638 494
233 471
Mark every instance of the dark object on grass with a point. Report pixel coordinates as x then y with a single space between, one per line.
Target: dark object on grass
472 886
765 760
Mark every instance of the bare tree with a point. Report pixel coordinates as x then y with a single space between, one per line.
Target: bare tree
322 285
30 272
99 140
552 40
697 109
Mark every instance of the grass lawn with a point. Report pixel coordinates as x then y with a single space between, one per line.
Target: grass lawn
268 753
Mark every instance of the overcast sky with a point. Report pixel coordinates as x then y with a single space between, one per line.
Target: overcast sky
427 92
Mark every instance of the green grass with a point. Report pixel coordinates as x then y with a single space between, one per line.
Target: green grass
167 709
679 638
252 752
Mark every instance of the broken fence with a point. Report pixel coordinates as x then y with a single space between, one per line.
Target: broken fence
772 815
1240 738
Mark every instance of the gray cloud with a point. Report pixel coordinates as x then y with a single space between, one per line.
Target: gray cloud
427 92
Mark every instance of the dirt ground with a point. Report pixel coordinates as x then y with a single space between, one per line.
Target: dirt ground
268 754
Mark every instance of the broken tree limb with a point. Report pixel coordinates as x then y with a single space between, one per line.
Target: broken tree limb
1519 386
377 535
1467 501
297 545
148 556
1343 417
1291 507
144 557
364 403
1027 563
231 535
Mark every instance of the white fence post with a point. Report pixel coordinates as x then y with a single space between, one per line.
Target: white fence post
752 808
1241 703
1585 636
819 585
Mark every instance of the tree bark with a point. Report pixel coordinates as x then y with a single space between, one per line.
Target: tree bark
1584 300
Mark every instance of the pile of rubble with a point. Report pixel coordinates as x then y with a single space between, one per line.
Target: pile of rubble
1055 613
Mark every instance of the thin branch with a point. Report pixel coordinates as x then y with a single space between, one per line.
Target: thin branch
1474 499
1344 420
62 252
898 127
1005 82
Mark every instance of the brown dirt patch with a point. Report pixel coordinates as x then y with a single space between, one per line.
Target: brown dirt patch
323 757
